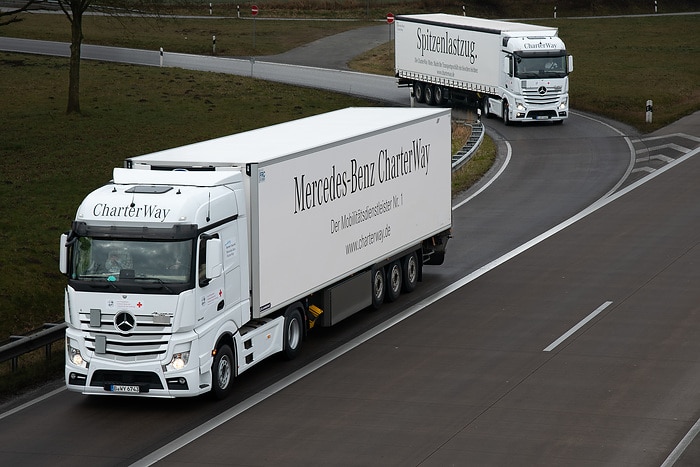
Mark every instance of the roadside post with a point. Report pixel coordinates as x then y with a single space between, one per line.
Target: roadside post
390 21
254 10
650 109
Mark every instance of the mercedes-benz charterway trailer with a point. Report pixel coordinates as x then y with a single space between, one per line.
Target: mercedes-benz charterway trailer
513 70
195 263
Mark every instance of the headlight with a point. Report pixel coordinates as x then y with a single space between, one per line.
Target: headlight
562 105
519 105
178 362
74 356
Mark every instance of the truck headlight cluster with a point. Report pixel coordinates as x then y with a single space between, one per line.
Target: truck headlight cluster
178 362
562 104
519 105
74 356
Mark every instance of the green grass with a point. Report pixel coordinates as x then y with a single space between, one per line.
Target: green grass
620 63
51 161
234 37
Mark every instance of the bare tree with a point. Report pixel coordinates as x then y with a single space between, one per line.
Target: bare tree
11 15
74 9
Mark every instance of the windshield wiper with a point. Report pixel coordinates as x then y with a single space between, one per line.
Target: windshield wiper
158 280
99 285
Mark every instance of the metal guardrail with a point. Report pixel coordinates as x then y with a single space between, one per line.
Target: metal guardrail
16 346
473 143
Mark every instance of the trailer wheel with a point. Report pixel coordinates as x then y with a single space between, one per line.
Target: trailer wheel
429 94
222 372
378 288
410 272
485 107
293 333
395 279
419 91
439 95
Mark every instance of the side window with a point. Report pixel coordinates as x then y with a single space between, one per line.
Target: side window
202 261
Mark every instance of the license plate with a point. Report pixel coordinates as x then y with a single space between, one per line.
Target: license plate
541 117
124 388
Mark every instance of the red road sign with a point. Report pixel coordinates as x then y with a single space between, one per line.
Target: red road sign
389 18
254 10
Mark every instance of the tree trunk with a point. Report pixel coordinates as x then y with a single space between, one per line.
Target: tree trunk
74 72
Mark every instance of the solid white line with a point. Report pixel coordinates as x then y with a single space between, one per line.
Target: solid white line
682 446
32 402
491 180
250 402
580 324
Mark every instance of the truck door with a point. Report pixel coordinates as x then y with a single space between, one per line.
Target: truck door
211 290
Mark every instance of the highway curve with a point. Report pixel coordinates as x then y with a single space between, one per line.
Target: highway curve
460 374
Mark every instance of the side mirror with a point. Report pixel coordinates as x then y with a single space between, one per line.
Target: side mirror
506 66
214 258
63 254
571 63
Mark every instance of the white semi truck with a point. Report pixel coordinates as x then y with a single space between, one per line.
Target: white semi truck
513 70
195 263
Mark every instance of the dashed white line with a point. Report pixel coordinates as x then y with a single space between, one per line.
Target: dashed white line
580 324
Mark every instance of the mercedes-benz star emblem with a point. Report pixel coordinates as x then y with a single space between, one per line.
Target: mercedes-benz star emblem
542 90
124 321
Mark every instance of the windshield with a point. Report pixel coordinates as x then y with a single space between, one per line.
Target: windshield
540 67
166 262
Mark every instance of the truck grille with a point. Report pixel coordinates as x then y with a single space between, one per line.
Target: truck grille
542 95
125 336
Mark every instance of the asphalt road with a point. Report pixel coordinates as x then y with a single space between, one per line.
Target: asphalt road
469 369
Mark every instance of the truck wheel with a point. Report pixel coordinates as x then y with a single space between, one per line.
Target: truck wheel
395 278
378 288
429 94
293 333
506 114
222 372
439 95
410 272
485 108
419 91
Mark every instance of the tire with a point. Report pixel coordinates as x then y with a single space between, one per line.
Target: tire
394 279
411 272
378 288
506 114
419 91
439 95
222 372
429 94
293 333
485 107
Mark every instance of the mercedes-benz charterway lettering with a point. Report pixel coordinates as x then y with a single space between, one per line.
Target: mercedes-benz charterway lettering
311 193
146 211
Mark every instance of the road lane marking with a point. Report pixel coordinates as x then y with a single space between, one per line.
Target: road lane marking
580 324
682 446
224 417
509 152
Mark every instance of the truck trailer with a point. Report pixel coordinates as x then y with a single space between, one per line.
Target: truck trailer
513 70
195 263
